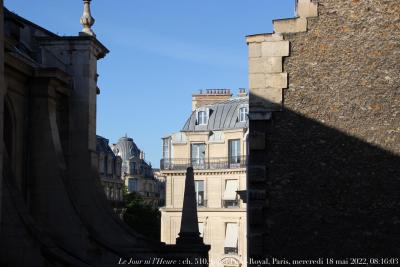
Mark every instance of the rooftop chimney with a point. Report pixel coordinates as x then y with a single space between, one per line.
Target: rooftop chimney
210 96
242 92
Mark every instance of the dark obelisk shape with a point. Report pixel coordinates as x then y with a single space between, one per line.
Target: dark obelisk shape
189 233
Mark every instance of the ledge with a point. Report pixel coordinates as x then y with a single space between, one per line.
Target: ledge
290 25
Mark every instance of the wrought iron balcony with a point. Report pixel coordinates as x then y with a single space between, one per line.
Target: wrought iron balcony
204 163
230 251
230 203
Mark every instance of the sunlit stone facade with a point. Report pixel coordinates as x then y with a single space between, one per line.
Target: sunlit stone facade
213 141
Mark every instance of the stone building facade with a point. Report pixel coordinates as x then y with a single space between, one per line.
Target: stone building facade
214 142
110 171
53 210
137 174
325 132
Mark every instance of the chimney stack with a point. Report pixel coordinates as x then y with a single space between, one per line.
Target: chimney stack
242 92
210 96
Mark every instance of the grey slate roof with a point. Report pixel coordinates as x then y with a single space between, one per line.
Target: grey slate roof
127 148
102 145
223 116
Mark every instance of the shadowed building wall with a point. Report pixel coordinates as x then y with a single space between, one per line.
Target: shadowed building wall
54 211
325 132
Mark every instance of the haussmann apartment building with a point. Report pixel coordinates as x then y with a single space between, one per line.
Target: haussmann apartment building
214 142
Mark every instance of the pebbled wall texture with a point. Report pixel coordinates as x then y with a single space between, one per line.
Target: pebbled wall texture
325 170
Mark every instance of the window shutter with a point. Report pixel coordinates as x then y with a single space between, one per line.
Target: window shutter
230 190
231 235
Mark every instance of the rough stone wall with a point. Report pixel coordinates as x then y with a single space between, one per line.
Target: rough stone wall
344 71
324 171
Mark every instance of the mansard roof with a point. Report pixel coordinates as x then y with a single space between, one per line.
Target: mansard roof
102 145
127 148
222 116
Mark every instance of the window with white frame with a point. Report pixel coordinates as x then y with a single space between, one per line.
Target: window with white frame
229 199
166 142
231 238
202 117
234 151
243 111
198 154
199 189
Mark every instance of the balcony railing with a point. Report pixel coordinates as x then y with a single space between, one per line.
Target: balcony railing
230 203
230 251
204 163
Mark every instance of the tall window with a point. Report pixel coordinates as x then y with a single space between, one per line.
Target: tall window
202 118
229 199
198 155
132 167
132 185
199 187
243 111
165 148
234 151
231 238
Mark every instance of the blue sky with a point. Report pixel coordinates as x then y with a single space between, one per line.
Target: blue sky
162 51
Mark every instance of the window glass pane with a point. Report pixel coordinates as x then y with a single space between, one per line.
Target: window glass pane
243 111
202 117
199 187
231 186
165 148
234 151
198 154
231 235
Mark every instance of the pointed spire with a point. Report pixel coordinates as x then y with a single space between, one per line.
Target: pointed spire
189 233
87 20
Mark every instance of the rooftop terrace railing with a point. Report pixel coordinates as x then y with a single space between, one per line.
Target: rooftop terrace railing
234 162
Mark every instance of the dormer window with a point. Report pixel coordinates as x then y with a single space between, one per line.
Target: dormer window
202 117
243 111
